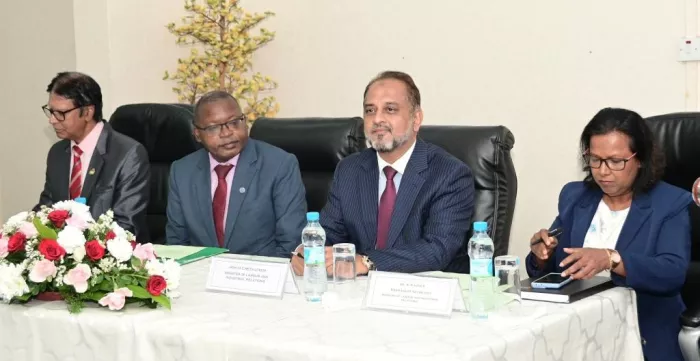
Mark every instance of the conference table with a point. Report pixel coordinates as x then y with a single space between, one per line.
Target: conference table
205 325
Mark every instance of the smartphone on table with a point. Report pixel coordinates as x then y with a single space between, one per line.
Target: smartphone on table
551 280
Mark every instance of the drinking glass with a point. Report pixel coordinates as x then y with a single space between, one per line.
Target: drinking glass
507 271
343 263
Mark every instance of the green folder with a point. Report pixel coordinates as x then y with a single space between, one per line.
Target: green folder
187 254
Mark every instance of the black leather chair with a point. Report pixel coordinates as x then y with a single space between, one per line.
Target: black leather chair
678 135
165 130
486 149
318 143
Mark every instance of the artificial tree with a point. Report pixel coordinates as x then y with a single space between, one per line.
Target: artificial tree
221 34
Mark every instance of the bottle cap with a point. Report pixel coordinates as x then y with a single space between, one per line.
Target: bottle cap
312 216
81 200
481 226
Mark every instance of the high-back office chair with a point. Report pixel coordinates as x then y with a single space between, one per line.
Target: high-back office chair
319 144
165 130
678 135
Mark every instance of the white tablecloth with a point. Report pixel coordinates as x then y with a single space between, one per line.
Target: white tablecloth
206 326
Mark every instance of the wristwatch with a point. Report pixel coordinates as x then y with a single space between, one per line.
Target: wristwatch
615 259
368 263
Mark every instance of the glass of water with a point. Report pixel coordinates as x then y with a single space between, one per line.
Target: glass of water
343 263
507 271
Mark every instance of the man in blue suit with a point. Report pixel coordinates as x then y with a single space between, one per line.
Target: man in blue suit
236 193
406 204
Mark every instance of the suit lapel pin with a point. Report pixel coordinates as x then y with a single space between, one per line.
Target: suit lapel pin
241 190
92 171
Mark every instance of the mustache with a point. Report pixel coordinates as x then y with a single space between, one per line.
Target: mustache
223 144
381 127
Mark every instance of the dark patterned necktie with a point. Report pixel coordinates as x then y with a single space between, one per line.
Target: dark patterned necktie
219 203
386 208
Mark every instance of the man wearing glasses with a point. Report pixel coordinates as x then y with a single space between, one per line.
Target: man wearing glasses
92 161
236 193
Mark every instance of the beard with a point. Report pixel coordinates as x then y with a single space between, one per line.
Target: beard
387 142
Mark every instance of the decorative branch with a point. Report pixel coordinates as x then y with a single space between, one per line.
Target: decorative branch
222 30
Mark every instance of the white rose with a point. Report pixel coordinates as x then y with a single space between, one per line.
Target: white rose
71 238
12 283
120 249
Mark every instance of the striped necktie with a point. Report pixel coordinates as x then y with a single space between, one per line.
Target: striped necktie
76 182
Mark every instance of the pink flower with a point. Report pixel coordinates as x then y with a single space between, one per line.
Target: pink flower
78 220
77 277
3 246
28 229
42 270
144 252
115 300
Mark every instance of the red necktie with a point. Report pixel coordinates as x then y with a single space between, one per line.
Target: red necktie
386 207
219 204
76 181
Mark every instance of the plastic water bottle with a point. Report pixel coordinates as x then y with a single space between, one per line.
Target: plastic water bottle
313 237
481 298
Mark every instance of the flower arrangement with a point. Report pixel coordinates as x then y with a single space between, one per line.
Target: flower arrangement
61 252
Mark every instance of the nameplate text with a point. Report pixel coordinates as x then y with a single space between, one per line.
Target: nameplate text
412 294
247 276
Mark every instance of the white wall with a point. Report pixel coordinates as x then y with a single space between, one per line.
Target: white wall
37 41
542 68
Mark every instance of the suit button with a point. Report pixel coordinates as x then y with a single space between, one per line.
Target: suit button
644 342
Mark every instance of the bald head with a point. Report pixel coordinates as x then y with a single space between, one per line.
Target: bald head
212 97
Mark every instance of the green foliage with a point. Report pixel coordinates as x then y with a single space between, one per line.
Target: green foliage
44 231
139 292
74 301
221 59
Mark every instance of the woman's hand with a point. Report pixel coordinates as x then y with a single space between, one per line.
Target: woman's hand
543 250
585 262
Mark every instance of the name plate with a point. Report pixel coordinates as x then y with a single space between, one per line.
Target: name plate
390 291
291 284
248 277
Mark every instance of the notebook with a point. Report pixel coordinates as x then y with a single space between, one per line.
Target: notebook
187 254
571 292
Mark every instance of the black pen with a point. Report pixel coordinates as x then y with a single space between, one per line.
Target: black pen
556 232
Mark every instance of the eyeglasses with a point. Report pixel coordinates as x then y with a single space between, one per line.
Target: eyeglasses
615 164
60 115
218 128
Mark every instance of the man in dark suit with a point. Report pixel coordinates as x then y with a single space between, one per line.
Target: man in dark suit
236 193
92 160
405 204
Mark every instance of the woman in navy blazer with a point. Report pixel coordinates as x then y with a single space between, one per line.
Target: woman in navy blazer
624 220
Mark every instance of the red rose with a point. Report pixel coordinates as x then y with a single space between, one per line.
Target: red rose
156 285
58 217
133 245
51 250
94 250
110 235
16 242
